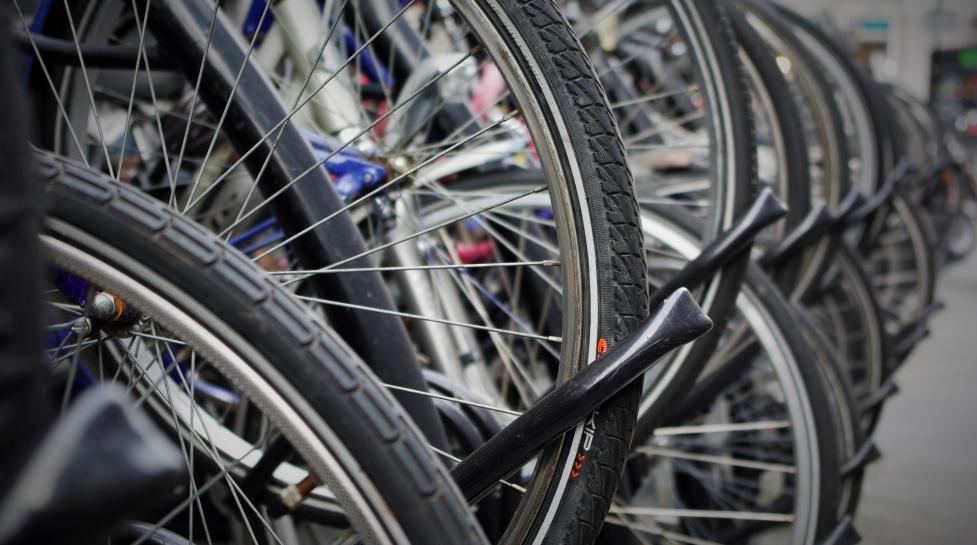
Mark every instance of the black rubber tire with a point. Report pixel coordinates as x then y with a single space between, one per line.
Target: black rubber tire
822 92
540 44
869 316
794 180
386 451
919 231
819 393
553 56
842 407
757 56
870 97
719 38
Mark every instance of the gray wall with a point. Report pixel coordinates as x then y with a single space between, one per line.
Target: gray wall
916 28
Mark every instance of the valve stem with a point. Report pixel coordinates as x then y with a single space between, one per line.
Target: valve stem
294 494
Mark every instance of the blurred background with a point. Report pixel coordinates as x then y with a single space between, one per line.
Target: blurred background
928 47
924 488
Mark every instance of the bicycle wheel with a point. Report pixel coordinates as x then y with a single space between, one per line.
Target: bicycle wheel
680 96
901 266
819 119
783 163
854 97
259 397
841 297
548 113
745 452
845 308
843 409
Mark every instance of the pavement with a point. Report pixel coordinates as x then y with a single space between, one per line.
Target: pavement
924 489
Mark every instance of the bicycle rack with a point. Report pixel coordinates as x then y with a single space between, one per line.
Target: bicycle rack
815 224
866 454
765 210
677 321
897 177
910 335
849 207
843 534
888 389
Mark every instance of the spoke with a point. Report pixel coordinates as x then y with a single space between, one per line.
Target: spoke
513 366
491 216
78 346
298 98
156 337
135 78
455 135
620 64
236 493
88 87
193 497
459 266
142 371
660 512
653 97
423 232
51 86
497 237
188 451
156 109
348 143
454 399
663 125
361 31
527 218
592 21
431 319
716 459
722 428
207 442
56 327
227 106
196 93
507 309
655 147
192 459
363 198
72 372
102 92
672 536
456 459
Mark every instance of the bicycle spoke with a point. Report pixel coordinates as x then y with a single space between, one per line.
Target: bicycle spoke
715 459
703 513
431 319
722 428
448 266
88 86
453 399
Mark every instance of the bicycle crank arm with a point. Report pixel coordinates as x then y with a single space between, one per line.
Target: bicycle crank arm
765 210
676 321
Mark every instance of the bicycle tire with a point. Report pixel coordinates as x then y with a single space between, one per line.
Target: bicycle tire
564 104
825 454
384 459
